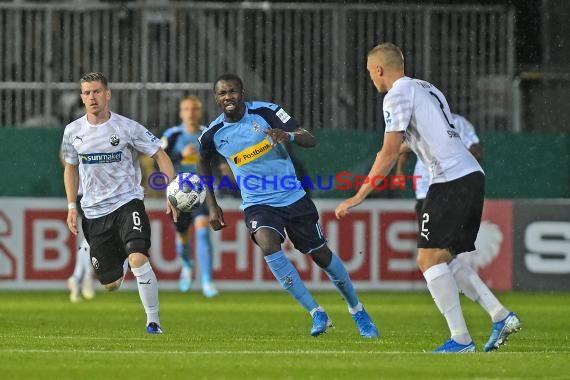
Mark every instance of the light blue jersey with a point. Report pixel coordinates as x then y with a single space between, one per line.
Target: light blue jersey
174 140
264 173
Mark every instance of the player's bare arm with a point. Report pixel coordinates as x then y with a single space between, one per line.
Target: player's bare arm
403 159
215 211
385 161
165 166
300 137
71 181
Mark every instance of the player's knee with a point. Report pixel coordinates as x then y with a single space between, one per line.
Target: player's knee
137 260
322 256
268 240
113 285
428 257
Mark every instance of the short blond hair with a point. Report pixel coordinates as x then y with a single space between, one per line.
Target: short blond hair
94 77
192 98
390 55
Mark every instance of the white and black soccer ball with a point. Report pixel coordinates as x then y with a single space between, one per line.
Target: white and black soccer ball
186 197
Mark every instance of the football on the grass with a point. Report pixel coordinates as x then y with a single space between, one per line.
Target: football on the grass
186 192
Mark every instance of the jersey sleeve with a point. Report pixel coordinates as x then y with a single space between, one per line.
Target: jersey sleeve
466 131
206 144
398 109
68 150
276 117
168 143
144 141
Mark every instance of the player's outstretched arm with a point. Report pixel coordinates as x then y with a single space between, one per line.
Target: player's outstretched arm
385 161
165 166
403 159
71 182
300 137
215 211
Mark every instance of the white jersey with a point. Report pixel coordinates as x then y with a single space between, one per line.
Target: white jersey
420 110
108 159
468 137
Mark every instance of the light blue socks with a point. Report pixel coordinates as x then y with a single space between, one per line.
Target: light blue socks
288 277
339 277
204 251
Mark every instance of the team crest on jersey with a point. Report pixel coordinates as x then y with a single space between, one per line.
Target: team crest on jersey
114 140
256 127
283 116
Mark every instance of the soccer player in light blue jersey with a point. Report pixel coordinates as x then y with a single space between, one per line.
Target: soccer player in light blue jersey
252 137
181 144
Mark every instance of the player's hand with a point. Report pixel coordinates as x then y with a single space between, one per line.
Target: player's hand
217 218
170 209
342 209
278 136
189 150
72 220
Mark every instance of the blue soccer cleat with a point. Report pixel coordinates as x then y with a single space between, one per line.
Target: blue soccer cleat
452 346
185 282
209 290
365 325
502 330
153 328
320 323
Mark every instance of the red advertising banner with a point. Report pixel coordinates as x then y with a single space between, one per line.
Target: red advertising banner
377 243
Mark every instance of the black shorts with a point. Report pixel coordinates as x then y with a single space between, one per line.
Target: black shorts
115 236
451 214
299 220
79 208
186 219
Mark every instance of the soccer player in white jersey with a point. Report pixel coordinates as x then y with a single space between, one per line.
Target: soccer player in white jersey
417 113
468 137
102 148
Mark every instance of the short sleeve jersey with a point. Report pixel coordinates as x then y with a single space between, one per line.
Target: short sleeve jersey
468 137
108 159
420 110
174 140
264 173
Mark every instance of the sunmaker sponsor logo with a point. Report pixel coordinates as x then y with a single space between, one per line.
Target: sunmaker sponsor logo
100 158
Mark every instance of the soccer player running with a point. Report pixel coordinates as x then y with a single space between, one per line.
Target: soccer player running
102 148
417 113
252 137
181 144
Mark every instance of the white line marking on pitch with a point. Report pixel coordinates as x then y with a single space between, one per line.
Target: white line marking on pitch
252 352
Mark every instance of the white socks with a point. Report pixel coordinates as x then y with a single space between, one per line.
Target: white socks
356 309
148 291
444 291
475 289
82 262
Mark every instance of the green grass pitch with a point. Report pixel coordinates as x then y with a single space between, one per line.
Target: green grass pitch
266 335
